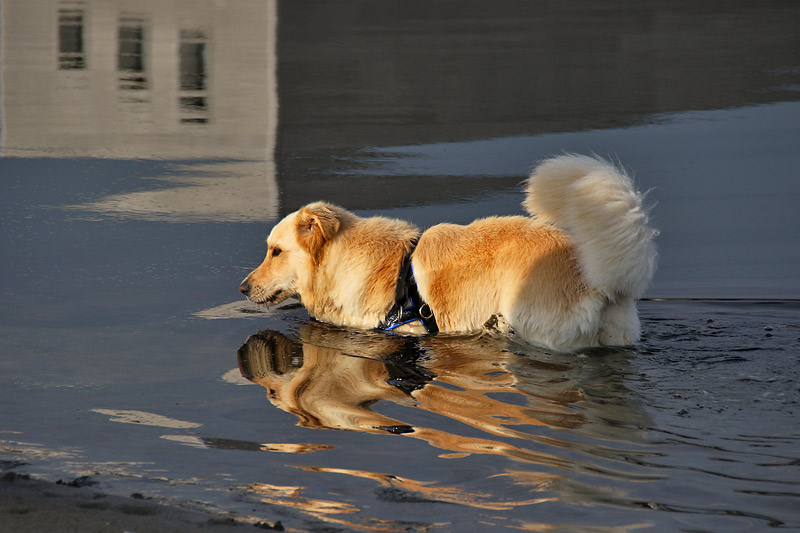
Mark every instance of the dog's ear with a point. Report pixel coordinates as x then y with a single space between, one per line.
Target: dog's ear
316 224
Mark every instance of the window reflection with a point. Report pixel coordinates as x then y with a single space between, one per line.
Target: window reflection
131 56
71 52
193 52
193 60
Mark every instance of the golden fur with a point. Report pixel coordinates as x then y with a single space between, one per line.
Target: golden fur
565 278
332 380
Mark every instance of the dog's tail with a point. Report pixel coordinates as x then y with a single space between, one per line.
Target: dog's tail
596 204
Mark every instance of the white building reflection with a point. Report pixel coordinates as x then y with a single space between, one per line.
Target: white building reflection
145 79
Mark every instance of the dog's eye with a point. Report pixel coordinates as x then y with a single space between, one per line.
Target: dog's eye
276 252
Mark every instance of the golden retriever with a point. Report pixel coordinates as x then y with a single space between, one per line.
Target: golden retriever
330 379
566 277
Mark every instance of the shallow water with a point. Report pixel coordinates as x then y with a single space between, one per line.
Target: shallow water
135 200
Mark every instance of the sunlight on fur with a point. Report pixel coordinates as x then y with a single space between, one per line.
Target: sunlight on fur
566 277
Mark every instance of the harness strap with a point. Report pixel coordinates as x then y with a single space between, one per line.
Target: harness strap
408 304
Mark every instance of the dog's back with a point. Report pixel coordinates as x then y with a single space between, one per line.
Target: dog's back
566 278
495 266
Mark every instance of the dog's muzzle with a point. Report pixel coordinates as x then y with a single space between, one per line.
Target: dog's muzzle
245 288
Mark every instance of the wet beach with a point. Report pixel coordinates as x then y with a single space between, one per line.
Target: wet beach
146 149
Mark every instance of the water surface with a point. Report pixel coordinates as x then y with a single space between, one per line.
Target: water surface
143 164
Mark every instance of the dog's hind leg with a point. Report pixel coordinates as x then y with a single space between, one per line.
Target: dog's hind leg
619 323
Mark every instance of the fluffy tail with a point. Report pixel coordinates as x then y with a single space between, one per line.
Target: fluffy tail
596 204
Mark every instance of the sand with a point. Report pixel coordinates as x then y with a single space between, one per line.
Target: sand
30 505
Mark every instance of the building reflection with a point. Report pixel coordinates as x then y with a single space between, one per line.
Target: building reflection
145 79
152 79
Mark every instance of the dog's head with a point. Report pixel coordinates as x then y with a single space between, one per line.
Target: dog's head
294 248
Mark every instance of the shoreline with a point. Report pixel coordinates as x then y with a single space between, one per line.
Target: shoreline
29 504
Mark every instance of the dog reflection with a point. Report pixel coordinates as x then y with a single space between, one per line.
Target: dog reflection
325 387
331 378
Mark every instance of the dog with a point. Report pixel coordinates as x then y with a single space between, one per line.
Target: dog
565 277
329 378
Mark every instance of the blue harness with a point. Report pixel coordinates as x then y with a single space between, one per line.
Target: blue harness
408 304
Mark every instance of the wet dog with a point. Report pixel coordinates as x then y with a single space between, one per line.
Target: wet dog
565 277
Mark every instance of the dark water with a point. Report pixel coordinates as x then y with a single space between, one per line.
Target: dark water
147 147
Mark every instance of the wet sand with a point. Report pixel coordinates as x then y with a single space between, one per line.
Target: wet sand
28 504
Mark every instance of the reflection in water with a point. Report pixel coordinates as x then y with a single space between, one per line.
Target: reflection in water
193 53
145 419
407 490
332 379
416 72
137 81
426 490
135 77
247 446
70 39
328 510
131 57
229 191
557 418
193 60
30 451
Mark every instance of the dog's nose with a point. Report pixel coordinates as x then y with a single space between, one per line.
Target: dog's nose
244 288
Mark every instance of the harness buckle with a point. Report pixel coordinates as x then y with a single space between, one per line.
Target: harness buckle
425 311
